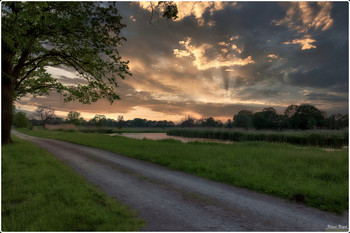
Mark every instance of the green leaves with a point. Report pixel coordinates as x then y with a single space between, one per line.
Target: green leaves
81 35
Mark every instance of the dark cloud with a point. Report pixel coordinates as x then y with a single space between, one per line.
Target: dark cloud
327 97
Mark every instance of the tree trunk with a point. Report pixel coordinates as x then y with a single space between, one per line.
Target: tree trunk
6 112
7 91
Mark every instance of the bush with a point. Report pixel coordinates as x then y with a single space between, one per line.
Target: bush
20 120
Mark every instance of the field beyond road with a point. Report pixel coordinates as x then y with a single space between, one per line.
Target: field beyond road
40 193
318 176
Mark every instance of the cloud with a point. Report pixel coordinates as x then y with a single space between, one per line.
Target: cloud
303 17
196 9
305 43
218 69
272 56
181 53
202 60
328 96
132 18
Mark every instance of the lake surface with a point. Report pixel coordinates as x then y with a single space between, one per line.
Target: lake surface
161 136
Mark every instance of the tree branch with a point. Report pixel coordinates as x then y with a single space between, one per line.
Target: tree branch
27 75
33 89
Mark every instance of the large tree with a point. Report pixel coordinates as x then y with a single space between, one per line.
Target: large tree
266 119
307 117
243 119
74 117
81 35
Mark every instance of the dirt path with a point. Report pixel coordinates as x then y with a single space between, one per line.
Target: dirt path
174 201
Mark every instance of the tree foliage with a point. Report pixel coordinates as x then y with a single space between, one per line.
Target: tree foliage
99 120
81 35
20 120
74 117
337 121
243 119
166 9
188 121
307 117
266 119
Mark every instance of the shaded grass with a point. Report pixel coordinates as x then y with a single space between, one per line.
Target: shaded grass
279 169
40 193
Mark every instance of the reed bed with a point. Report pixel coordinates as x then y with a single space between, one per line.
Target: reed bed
333 139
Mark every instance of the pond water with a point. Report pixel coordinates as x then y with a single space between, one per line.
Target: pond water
161 136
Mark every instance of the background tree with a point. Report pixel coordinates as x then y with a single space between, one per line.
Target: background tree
266 119
337 121
210 122
302 118
188 121
283 122
45 114
81 35
290 110
99 120
229 123
20 120
74 117
243 119
120 122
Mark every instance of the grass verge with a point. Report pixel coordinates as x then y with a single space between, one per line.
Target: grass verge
279 169
40 193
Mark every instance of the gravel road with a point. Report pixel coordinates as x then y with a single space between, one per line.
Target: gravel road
174 201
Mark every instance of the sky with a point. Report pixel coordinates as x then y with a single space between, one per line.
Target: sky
219 58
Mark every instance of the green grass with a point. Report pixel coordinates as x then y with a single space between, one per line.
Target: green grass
40 193
279 169
110 130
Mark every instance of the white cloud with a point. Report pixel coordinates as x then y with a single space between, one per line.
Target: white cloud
235 48
223 43
305 43
196 8
305 92
201 60
272 56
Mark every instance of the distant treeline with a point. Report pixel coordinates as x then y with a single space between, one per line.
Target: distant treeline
297 117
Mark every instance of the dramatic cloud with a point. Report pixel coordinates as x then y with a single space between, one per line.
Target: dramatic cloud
206 56
305 18
196 9
221 57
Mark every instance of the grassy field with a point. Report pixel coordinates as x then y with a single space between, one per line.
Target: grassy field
40 193
279 169
322 138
